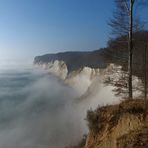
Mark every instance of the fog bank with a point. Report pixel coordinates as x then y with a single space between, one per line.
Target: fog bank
38 110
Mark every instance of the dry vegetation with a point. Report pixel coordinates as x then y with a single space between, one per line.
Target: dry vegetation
136 139
106 119
110 115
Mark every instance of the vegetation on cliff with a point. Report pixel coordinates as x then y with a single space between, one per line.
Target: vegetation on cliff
109 125
110 114
118 126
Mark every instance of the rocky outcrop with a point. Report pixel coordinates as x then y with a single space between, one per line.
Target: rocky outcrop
82 79
119 126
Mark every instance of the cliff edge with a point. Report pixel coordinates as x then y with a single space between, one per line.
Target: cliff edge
119 126
76 60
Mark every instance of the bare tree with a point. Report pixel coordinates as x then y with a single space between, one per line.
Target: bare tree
124 22
130 46
145 70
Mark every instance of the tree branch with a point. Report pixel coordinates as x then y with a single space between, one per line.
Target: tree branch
127 7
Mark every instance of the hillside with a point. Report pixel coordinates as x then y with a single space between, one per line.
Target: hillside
111 126
118 126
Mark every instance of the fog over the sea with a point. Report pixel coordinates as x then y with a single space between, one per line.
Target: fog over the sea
38 110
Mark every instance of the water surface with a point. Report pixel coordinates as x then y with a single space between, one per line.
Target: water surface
37 110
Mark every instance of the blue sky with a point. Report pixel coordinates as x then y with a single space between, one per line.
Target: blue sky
33 27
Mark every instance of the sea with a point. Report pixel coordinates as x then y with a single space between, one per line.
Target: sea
37 110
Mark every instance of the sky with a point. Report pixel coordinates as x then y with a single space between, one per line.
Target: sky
35 27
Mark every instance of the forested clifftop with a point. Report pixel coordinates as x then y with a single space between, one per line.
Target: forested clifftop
75 60
115 52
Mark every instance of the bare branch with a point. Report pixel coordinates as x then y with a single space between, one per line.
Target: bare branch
127 7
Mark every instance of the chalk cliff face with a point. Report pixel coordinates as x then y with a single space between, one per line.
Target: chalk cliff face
79 79
83 78
87 79
57 68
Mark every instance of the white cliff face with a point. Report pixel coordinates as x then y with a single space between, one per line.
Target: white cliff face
81 79
89 82
57 68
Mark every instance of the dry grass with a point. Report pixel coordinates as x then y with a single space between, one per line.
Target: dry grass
110 114
136 139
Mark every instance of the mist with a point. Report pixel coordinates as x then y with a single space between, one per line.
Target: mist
37 110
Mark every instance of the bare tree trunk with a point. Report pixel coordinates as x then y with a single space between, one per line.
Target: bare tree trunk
145 71
130 48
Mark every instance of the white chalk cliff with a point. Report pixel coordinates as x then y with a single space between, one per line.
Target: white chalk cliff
85 80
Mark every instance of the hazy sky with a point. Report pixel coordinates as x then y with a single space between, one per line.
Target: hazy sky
34 27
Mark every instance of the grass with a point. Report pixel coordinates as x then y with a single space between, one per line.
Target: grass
110 114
